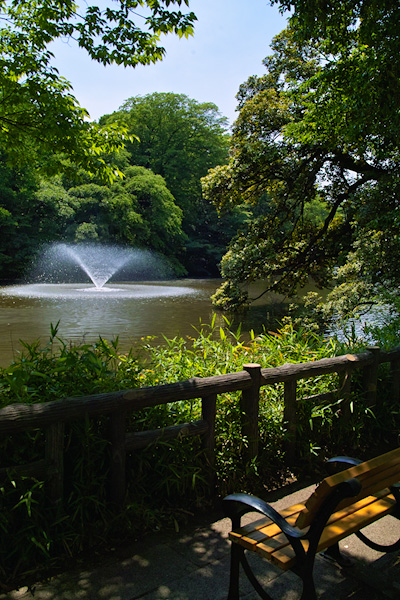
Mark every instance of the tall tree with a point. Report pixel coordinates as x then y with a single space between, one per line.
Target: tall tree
180 139
39 116
316 130
137 211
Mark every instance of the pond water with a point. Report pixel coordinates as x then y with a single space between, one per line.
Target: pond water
127 310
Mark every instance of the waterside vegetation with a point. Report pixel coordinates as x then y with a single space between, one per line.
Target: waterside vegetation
166 481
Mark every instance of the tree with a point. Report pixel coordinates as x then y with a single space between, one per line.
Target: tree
180 139
142 212
14 219
160 224
31 213
315 130
39 116
138 211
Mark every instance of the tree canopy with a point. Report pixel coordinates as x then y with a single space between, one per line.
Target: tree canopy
181 139
137 211
39 116
316 142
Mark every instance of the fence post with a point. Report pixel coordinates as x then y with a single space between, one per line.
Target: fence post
118 458
290 417
370 377
54 455
249 405
208 411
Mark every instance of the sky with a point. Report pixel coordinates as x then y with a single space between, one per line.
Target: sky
231 39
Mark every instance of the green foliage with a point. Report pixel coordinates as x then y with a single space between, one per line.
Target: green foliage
167 480
43 373
160 215
138 211
40 118
320 127
25 220
156 203
180 139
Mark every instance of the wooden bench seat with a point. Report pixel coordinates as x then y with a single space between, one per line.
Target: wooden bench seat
340 505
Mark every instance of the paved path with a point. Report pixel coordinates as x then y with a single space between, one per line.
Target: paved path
194 565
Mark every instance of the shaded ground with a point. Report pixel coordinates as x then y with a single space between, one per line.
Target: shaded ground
194 565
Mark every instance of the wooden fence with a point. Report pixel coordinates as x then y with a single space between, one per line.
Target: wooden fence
52 416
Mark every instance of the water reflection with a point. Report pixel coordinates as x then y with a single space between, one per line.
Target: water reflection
79 291
151 309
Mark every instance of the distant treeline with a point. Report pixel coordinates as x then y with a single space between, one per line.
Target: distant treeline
158 204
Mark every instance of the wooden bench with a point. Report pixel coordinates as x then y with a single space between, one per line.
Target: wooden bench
341 504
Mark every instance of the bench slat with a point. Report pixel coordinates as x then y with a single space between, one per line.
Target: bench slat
252 536
271 543
374 480
366 469
269 546
284 555
343 508
355 521
343 511
284 558
259 523
374 475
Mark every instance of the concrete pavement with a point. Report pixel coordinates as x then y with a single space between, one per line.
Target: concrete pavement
194 565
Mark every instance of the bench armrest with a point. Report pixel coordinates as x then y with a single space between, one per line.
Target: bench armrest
343 461
237 505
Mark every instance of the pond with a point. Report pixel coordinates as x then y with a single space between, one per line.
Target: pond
130 311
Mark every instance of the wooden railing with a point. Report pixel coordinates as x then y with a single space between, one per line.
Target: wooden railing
52 416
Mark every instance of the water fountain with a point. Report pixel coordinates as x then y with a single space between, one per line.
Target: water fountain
62 268
95 290
100 263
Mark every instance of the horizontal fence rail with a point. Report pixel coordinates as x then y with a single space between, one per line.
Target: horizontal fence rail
52 416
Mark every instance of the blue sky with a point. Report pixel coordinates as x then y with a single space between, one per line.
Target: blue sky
231 38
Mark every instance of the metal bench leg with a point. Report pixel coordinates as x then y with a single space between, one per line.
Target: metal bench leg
253 579
379 547
236 552
305 570
238 557
309 592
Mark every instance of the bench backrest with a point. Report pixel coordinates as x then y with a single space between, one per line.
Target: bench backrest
374 475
